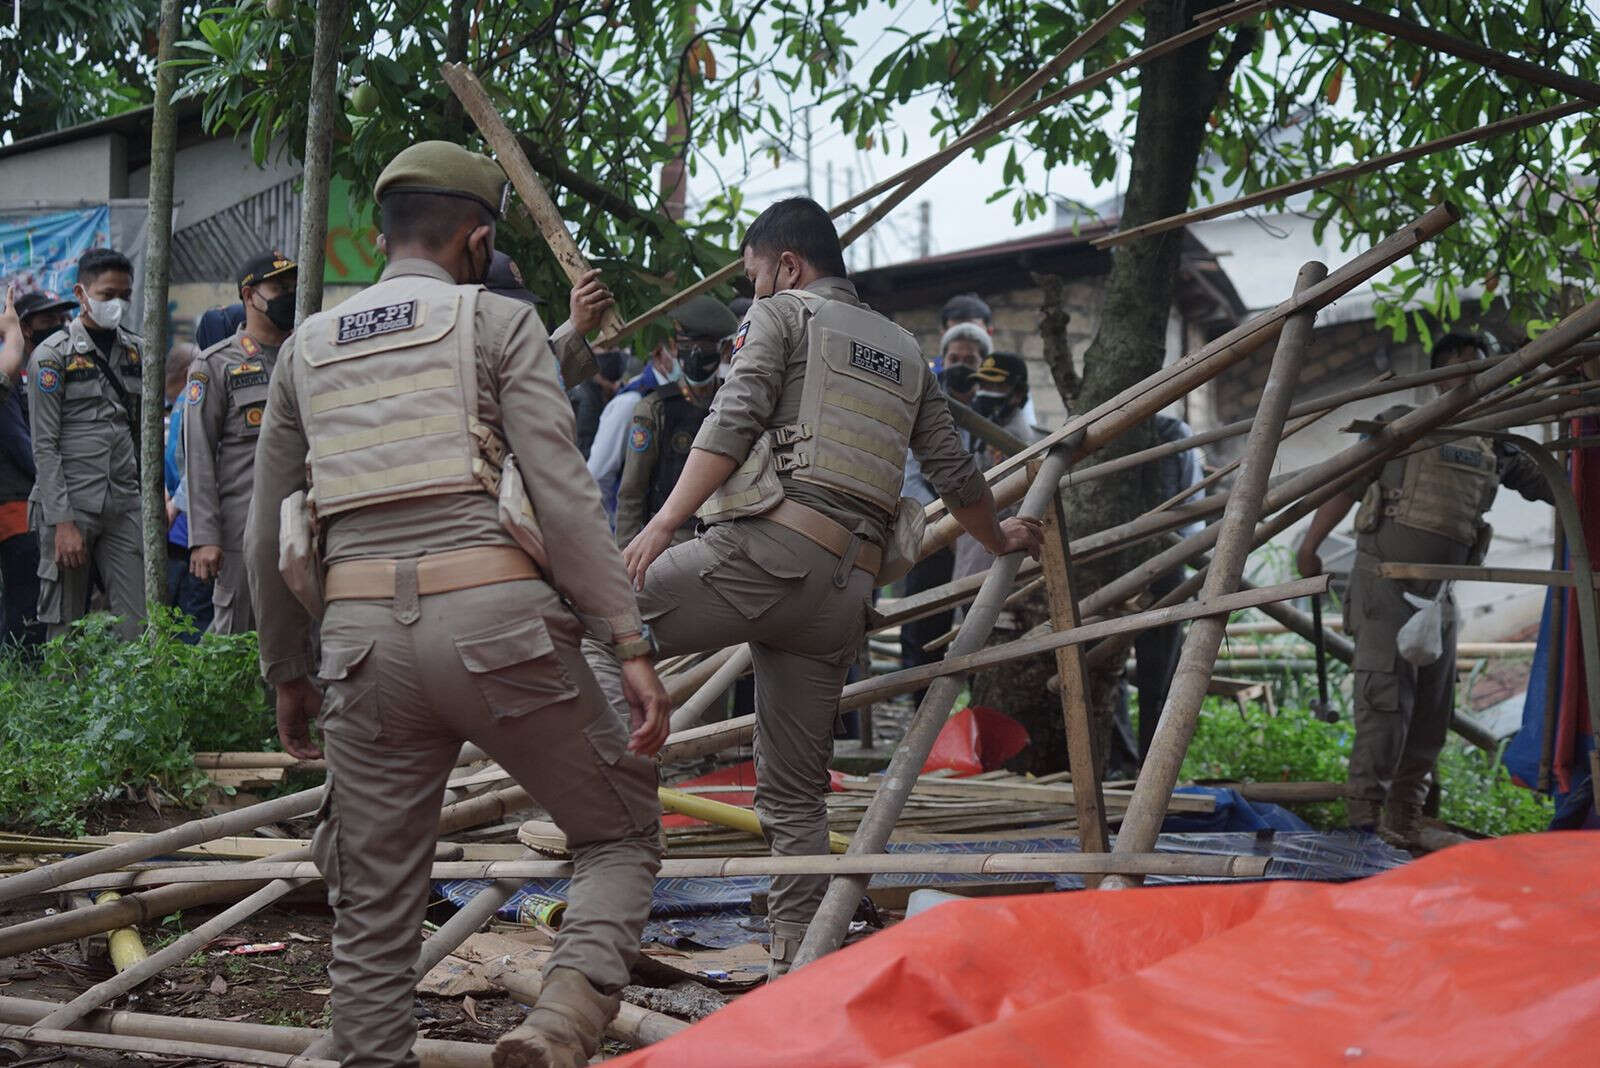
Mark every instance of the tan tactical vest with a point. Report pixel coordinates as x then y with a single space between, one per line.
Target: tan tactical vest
1445 489
864 379
388 392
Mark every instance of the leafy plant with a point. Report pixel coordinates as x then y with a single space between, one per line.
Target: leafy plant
1295 746
96 714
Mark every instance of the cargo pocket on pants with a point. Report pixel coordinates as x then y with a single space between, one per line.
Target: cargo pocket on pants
630 777
325 845
49 608
350 703
1378 690
516 669
754 571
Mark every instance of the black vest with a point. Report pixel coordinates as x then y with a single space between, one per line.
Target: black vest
678 420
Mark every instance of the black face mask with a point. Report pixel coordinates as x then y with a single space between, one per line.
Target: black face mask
699 364
40 336
280 310
995 407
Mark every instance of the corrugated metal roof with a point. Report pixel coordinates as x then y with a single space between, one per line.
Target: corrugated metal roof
212 249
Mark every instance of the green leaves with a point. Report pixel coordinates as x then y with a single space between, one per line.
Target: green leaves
97 714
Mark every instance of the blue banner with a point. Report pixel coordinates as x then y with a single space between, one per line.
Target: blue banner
41 251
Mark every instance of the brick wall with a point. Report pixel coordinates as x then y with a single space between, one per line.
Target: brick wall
1345 353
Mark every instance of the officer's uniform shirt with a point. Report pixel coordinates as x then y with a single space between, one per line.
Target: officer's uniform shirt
659 442
83 445
225 397
763 392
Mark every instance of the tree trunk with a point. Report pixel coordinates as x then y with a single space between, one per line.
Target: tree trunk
318 156
157 274
1177 94
455 51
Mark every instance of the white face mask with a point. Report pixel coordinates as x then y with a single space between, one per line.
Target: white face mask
107 314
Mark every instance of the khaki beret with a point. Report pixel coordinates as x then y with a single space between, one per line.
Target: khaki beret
704 316
445 169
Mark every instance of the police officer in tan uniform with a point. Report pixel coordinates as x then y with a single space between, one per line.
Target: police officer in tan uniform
408 402
83 404
797 471
586 305
667 418
224 399
1426 507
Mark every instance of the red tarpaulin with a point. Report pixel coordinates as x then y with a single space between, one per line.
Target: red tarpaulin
1486 953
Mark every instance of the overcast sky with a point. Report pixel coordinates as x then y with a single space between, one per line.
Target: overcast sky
959 216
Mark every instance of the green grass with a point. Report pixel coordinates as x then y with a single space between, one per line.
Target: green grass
1294 746
94 715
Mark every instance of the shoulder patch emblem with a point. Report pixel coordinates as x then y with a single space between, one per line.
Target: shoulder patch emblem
640 437
682 442
874 362
252 416
196 391
744 332
49 379
374 322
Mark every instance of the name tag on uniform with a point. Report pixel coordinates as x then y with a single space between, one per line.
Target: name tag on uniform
1455 454
358 326
247 374
874 362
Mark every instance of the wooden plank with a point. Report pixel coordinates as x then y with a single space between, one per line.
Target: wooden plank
1082 755
1526 576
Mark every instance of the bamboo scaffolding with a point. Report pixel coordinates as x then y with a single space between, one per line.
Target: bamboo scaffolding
1192 679
1094 429
1207 866
1341 174
1522 576
633 1025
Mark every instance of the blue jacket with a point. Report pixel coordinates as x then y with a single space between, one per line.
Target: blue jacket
16 447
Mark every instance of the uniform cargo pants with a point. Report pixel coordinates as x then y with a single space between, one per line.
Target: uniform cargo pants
232 612
113 542
1402 711
753 581
407 681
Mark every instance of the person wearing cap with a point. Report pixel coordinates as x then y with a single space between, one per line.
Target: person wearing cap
1425 507
443 616
26 321
590 397
797 472
1001 381
667 418
83 408
587 303
224 400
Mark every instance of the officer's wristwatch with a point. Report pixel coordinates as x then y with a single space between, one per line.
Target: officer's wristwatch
633 647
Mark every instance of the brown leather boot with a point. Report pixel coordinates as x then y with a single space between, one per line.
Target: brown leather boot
1401 824
1361 813
786 938
564 1028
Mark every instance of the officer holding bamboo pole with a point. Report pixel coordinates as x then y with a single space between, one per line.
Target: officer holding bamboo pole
796 472
390 438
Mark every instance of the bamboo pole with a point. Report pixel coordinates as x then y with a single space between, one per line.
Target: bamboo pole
1146 810
683 685
827 927
986 431
1455 46
694 709
163 1047
318 170
913 863
908 680
1554 656
1340 174
433 1053
1524 576
535 198
150 433
123 943
633 1025
725 815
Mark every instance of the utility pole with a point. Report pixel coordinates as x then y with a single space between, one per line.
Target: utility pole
809 191
831 202
849 192
925 229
